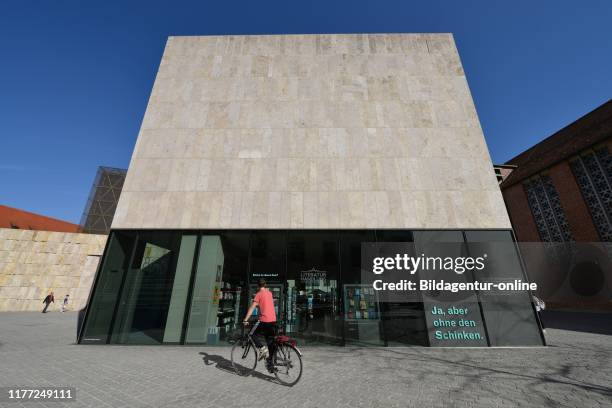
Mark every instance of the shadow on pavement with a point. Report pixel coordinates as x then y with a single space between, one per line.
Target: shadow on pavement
482 374
224 364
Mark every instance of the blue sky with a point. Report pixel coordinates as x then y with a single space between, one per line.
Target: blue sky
75 76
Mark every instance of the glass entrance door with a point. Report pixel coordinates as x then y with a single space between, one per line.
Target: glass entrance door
312 287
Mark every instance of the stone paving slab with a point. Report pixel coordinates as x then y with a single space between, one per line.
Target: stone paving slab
38 350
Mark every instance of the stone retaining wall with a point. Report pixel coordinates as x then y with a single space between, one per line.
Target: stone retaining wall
33 263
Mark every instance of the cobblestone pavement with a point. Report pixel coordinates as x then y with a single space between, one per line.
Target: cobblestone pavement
38 350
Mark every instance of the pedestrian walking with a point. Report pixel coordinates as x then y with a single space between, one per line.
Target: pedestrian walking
539 306
48 300
65 303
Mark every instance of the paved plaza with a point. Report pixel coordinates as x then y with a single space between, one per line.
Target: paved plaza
38 350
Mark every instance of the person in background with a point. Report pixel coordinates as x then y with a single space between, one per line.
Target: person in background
539 306
65 303
48 300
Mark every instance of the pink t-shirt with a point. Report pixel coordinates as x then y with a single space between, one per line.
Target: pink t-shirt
266 306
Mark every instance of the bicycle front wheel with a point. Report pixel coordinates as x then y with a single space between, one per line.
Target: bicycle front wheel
244 357
287 364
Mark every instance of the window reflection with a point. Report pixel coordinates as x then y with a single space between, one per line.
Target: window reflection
147 288
312 286
107 288
177 287
403 322
218 297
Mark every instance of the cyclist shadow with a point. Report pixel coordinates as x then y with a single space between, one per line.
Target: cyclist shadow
224 364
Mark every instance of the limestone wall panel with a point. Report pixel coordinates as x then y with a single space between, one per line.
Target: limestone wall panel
33 263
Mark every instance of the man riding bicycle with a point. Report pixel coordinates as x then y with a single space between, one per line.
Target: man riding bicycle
267 323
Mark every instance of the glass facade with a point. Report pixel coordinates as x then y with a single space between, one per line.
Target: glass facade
194 287
509 318
102 201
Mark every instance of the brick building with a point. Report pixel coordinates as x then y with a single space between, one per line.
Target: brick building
561 187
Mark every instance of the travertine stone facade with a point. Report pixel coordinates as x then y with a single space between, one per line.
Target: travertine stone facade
32 263
311 131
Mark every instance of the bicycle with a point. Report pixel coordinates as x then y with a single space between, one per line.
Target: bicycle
286 361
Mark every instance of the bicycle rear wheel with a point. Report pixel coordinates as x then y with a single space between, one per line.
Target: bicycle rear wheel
244 357
287 364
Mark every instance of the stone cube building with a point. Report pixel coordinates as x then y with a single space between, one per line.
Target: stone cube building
276 157
311 131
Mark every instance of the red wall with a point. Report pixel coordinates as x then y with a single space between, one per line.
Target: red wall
520 214
576 212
